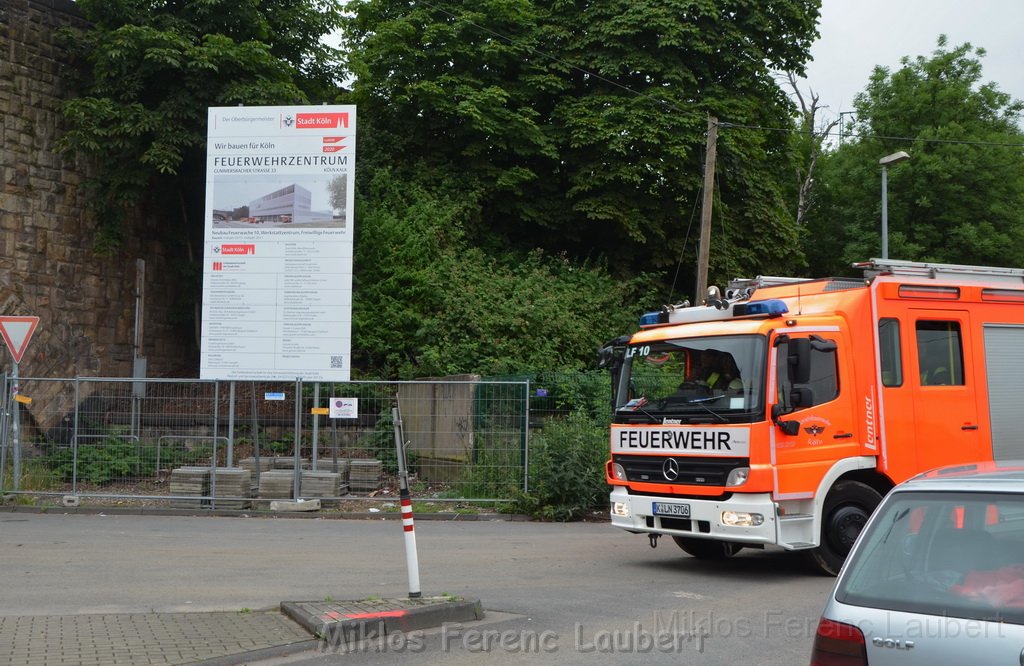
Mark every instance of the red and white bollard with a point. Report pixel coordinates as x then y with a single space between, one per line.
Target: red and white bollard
411 558
410 545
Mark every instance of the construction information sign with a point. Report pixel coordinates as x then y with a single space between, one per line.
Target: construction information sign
277 274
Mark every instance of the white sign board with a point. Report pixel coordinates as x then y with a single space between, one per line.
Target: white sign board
344 408
277 276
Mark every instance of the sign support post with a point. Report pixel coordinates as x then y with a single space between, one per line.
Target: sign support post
4 414
15 440
16 332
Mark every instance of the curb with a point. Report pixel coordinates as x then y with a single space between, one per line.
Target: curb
349 622
262 654
244 513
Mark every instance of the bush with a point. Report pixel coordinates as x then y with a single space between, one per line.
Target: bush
432 303
113 458
567 468
117 457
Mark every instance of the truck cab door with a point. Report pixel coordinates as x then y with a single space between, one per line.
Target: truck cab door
947 428
813 409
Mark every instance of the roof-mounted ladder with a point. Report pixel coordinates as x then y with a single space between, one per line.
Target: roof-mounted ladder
928 270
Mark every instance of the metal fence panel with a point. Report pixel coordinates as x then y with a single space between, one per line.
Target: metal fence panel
194 443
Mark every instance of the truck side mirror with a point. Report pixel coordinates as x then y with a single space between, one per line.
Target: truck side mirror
610 356
788 427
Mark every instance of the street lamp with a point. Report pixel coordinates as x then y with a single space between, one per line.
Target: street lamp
885 162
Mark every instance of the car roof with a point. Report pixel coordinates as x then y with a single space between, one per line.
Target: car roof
1002 476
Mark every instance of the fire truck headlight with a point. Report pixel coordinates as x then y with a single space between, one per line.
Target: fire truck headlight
619 471
620 509
738 476
741 519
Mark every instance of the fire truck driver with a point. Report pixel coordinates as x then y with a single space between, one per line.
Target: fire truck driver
716 371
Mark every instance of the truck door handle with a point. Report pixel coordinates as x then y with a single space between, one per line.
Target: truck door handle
843 435
969 427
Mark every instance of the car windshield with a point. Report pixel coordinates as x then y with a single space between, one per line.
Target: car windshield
713 379
950 554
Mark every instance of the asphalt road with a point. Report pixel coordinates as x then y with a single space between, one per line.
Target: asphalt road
565 593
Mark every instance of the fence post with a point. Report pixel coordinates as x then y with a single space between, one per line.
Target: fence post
316 425
526 439
255 434
231 424
74 440
297 439
213 474
213 455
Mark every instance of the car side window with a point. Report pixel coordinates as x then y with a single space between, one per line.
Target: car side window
942 553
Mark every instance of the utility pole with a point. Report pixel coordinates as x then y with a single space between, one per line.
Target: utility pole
705 213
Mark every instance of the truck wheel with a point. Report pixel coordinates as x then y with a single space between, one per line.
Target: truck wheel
707 549
847 507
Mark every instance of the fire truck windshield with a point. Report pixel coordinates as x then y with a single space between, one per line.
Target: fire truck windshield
713 379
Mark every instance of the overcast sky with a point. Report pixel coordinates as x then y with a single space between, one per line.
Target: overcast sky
856 35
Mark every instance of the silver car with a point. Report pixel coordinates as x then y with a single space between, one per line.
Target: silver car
936 576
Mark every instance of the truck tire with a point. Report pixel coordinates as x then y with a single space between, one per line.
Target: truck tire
847 507
707 549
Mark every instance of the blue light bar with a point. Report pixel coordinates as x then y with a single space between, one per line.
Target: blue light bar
653 318
770 308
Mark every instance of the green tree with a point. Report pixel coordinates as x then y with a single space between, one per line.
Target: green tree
149 70
579 127
960 198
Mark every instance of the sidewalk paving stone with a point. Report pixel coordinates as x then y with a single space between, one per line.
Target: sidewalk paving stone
216 638
141 638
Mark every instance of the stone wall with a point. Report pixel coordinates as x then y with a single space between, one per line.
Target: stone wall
86 303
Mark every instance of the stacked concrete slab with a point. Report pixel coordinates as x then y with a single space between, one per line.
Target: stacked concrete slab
234 483
250 464
364 476
324 485
327 465
264 464
288 462
188 482
277 484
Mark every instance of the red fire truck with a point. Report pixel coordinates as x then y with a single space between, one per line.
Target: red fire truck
781 411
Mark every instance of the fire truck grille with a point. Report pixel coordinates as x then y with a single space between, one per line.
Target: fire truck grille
679 469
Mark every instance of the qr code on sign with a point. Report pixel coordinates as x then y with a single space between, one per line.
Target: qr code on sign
337 361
